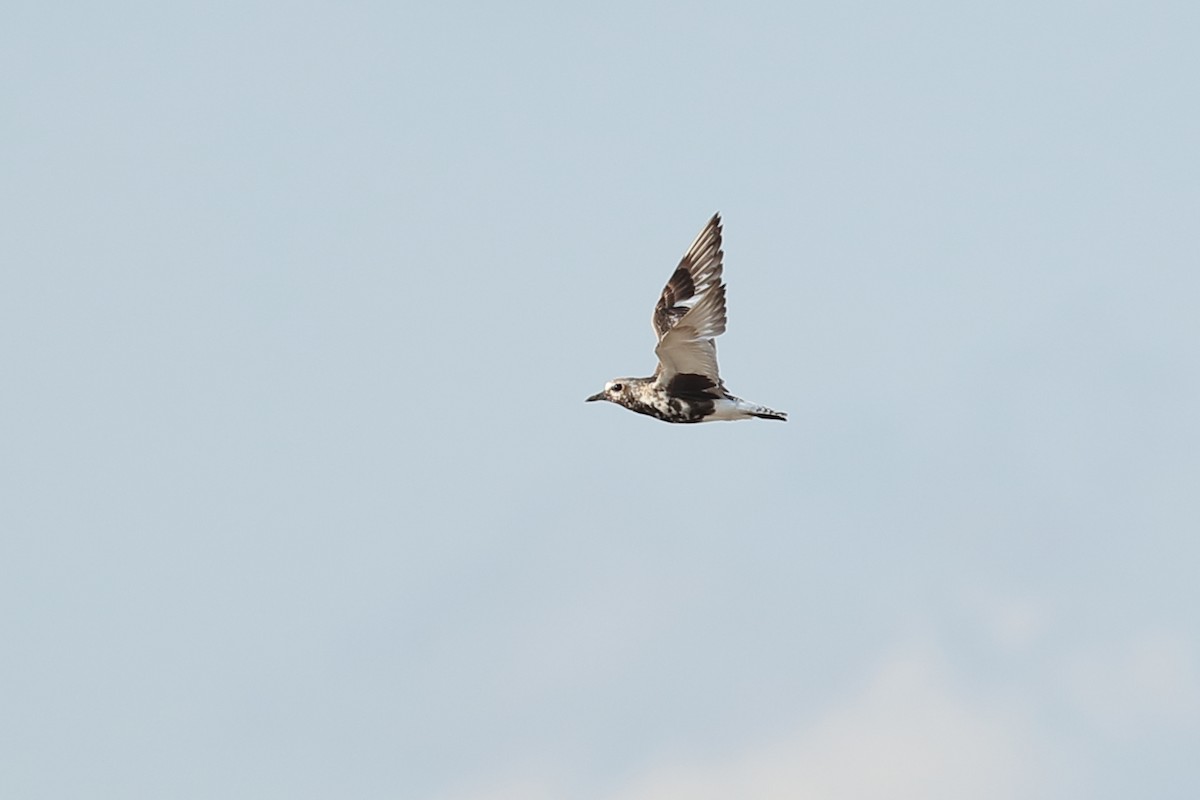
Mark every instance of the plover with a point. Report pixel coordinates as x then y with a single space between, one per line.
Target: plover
686 386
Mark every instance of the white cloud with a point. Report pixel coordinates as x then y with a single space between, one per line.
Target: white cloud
909 734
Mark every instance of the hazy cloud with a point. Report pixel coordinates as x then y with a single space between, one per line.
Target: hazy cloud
910 731
1152 679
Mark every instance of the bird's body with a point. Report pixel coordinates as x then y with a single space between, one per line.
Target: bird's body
690 313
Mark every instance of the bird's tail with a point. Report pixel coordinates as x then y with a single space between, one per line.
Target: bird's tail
762 412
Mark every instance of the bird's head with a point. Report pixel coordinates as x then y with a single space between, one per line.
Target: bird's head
614 391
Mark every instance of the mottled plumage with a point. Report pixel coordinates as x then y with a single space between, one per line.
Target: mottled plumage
687 386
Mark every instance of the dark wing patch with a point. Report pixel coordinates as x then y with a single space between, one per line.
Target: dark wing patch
679 288
694 388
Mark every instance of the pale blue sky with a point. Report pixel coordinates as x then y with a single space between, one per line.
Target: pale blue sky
300 302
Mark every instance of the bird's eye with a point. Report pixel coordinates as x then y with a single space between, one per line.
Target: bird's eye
616 387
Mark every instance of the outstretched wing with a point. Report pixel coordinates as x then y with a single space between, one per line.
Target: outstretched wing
699 270
691 311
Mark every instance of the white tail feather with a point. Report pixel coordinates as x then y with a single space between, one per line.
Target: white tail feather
737 408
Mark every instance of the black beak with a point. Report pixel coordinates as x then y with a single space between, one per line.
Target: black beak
596 396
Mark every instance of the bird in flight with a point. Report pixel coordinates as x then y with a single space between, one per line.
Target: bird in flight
686 386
